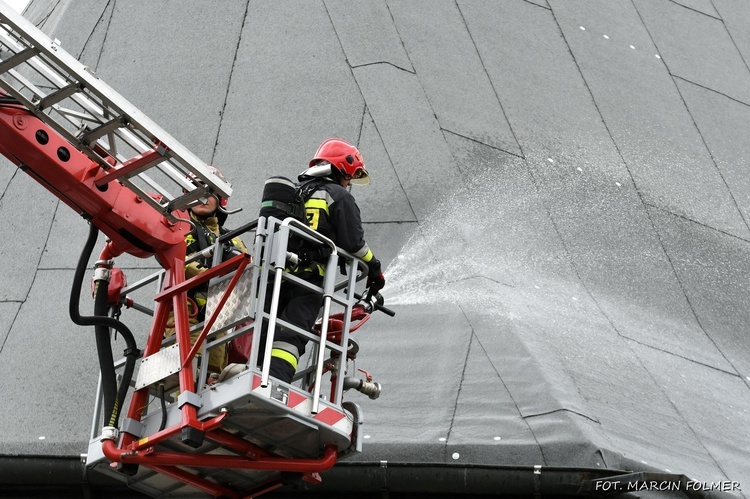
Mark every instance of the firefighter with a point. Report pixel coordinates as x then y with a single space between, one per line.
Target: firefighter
208 224
332 211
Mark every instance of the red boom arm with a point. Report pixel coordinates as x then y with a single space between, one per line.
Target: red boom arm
133 226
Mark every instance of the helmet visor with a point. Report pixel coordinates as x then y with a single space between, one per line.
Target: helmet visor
360 177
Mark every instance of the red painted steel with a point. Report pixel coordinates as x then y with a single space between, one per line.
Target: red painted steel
165 458
135 227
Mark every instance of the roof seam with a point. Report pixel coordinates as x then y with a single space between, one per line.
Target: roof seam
362 95
698 11
377 63
463 376
563 409
44 19
469 278
229 82
392 222
365 113
692 118
96 24
735 374
424 91
537 5
487 74
688 219
482 143
403 46
10 328
10 180
106 33
33 280
729 32
707 88
510 394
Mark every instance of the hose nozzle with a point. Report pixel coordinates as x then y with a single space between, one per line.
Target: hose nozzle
369 388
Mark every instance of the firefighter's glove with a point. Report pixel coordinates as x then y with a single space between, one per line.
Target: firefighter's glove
319 254
375 277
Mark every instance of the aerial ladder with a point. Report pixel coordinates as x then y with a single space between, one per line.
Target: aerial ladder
160 424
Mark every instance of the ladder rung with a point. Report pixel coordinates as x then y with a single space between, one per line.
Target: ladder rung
187 200
134 166
16 59
101 131
58 96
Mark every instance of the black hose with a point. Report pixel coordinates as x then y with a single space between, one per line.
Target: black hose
163 403
113 398
104 351
131 355
106 362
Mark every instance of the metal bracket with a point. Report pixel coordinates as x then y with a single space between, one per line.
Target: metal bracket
537 480
189 398
132 427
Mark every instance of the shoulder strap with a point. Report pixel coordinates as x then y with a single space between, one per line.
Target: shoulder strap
307 188
201 235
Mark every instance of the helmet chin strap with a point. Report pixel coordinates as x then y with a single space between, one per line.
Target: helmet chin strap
226 211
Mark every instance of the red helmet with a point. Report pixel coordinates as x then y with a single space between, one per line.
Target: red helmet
345 158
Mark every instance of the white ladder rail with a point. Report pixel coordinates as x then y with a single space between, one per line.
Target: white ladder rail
94 118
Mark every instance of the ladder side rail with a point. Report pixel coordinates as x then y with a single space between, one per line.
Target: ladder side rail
70 177
98 112
75 119
178 177
72 117
44 45
119 107
269 278
54 77
72 139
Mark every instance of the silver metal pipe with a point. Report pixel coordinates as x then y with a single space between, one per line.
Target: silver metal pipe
271 326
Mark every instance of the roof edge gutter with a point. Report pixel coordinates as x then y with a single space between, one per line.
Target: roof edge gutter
376 477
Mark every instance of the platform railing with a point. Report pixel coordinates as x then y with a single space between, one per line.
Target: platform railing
267 272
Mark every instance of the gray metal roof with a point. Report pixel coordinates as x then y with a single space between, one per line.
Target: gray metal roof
561 193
